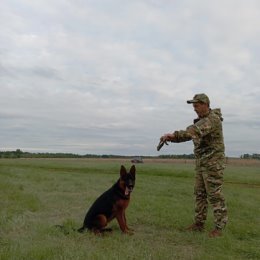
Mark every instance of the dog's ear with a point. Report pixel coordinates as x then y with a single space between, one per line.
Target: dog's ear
132 171
123 171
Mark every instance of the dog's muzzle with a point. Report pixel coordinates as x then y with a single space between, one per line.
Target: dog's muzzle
128 189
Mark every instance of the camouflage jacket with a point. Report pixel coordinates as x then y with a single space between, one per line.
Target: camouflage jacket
206 134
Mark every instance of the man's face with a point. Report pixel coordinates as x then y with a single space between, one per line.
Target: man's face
201 109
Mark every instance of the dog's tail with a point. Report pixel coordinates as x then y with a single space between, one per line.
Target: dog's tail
81 230
95 231
66 229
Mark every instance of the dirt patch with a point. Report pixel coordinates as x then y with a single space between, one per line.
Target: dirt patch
248 185
243 162
229 161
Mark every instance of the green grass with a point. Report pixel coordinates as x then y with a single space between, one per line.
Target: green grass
37 194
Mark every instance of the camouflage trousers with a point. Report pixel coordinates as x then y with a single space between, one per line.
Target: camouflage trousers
208 188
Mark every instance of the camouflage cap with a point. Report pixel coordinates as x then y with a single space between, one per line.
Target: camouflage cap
199 98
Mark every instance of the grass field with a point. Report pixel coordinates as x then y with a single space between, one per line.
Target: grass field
37 194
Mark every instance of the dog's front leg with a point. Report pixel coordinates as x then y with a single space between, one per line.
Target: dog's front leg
122 222
128 229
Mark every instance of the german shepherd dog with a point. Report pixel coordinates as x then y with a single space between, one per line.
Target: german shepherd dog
111 204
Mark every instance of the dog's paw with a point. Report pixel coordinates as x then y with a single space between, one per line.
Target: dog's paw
129 232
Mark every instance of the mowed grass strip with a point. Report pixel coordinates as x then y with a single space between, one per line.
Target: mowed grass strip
37 194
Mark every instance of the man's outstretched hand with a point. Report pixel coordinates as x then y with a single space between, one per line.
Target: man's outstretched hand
161 144
164 139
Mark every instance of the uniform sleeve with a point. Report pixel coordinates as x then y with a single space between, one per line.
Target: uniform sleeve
193 132
181 136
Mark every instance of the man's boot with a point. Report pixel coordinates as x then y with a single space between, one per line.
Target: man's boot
215 233
197 227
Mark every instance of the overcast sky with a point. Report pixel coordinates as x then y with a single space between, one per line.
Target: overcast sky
112 76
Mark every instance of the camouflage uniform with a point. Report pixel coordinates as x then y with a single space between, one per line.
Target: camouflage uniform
206 134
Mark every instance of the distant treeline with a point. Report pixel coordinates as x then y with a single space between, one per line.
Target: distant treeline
177 156
20 154
250 156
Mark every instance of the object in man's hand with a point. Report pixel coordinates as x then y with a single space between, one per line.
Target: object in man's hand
161 144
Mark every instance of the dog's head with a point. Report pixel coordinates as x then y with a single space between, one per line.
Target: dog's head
127 179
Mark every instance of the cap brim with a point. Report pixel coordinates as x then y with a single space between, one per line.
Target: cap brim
192 101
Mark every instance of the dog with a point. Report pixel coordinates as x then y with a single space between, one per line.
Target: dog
111 204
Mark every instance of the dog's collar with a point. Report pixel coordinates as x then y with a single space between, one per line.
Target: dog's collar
120 193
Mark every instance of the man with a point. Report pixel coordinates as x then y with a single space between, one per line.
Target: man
207 136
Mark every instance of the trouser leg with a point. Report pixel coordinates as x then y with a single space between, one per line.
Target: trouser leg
214 181
201 203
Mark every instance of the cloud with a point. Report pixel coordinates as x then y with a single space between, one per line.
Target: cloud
111 77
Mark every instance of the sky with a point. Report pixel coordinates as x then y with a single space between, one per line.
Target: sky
112 76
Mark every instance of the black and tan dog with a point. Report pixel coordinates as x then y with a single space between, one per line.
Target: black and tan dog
111 204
